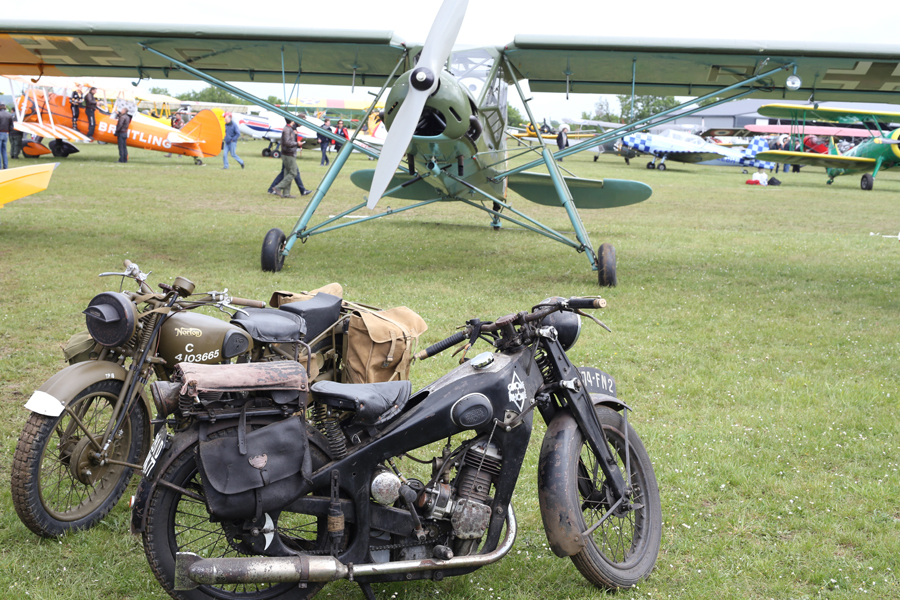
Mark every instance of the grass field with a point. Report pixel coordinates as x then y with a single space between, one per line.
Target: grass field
754 334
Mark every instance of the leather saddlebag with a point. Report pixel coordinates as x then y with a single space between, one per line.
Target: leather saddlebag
380 345
256 472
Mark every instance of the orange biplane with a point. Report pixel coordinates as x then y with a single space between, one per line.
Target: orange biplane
46 114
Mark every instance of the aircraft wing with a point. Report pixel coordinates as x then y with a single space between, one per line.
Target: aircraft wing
231 53
592 123
54 131
829 161
833 69
811 130
688 157
821 113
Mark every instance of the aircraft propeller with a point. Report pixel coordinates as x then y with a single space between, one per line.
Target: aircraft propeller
423 81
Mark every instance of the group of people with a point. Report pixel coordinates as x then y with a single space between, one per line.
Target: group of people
325 142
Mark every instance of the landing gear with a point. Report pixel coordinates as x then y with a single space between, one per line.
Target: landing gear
867 182
198 161
496 224
271 258
661 167
606 266
276 154
829 182
266 152
651 165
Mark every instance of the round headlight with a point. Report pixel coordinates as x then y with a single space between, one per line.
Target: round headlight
111 319
567 324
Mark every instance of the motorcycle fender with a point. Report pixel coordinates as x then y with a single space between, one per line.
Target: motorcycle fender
563 534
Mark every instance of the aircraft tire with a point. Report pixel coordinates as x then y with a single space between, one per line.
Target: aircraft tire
867 182
271 258
198 162
606 266
266 152
661 167
650 165
276 154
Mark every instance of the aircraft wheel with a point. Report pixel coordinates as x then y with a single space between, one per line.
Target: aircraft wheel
272 259
198 162
276 154
650 165
867 182
266 152
606 267
661 167
829 182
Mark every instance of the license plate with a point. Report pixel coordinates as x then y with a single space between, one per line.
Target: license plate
597 382
159 444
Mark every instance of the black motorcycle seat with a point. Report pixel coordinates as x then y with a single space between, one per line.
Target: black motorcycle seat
271 325
320 312
375 403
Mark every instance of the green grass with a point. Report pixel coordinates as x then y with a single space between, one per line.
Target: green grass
754 334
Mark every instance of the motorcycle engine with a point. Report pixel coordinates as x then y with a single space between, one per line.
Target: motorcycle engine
466 503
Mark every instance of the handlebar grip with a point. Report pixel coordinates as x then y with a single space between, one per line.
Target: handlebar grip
250 303
127 263
442 345
587 303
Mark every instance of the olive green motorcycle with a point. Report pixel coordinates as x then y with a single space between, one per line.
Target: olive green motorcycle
90 425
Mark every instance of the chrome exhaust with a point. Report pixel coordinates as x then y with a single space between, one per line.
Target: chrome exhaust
192 570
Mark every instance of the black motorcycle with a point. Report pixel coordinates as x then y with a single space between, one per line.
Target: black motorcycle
250 503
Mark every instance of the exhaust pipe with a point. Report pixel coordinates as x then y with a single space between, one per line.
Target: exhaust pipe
192 570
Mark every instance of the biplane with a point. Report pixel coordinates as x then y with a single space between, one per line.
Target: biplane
446 110
880 151
44 109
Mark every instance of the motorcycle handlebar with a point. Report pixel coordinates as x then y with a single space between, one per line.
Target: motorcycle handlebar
442 345
246 302
587 303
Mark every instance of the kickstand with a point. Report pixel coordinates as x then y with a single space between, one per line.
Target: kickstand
366 590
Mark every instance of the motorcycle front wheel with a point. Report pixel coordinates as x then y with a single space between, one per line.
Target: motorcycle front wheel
57 485
178 522
623 549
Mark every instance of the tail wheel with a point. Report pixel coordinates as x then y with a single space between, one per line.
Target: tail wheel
623 549
179 522
606 267
867 182
272 258
58 485
198 161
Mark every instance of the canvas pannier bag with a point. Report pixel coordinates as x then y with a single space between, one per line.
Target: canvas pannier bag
279 298
379 345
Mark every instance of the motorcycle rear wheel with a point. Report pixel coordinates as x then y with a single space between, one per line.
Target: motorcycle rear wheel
623 550
180 523
51 491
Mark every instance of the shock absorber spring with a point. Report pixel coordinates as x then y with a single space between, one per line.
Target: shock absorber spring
543 364
328 424
149 324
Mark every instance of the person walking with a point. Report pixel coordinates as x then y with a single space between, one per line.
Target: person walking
288 161
231 137
324 142
341 131
90 107
122 123
6 126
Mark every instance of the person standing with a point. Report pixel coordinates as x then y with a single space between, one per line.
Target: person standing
75 101
15 141
122 123
562 139
288 160
231 137
324 142
90 107
341 131
6 126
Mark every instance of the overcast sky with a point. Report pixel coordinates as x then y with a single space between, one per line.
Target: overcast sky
496 22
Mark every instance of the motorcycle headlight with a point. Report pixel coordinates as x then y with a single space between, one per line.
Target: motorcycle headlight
567 324
111 319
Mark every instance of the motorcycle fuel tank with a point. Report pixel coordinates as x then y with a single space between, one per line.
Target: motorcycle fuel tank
196 338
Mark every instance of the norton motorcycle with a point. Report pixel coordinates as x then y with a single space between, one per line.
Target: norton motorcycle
259 507
91 425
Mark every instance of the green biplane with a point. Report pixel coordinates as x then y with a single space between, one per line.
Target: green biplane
880 151
446 110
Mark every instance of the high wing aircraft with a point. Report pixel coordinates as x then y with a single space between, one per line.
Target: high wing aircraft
681 146
269 125
45 113
452 134
880 151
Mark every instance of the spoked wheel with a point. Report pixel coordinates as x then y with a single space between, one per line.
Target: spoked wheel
58 485
606 267
271 258
867 182
623 549
178 522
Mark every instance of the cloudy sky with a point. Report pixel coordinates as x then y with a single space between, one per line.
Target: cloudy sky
496 22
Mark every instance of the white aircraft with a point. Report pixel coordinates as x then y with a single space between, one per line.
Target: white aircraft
681 146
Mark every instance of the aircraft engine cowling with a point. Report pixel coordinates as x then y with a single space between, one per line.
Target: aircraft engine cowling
447 111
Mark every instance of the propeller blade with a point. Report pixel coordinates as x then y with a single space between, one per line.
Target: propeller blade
423 82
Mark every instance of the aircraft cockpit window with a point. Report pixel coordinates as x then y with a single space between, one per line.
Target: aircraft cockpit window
472 68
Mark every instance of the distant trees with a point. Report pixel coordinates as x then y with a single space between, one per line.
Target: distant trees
212 94
160 90
514 117
644 106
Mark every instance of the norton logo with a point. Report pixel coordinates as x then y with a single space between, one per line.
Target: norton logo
516 391
188 331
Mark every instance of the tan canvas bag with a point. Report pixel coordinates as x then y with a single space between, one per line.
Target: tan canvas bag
380 345
279 298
